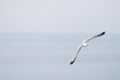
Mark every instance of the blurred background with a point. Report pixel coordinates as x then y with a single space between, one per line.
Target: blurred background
38 39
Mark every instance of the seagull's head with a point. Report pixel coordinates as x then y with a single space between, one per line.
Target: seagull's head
84 44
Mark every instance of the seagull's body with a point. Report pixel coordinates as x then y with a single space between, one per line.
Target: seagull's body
84 44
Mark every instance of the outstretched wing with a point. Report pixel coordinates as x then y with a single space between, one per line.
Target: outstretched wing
98 35
75 55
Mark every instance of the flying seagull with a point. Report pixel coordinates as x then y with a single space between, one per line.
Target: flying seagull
84 44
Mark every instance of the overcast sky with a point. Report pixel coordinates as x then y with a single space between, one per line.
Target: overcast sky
64 16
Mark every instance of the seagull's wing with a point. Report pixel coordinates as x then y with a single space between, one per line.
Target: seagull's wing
98 35
75 55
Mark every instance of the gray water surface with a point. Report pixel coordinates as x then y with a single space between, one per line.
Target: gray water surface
46 57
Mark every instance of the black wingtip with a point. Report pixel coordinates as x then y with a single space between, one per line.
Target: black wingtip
103 33
71 62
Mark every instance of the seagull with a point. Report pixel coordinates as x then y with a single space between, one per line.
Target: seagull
84 44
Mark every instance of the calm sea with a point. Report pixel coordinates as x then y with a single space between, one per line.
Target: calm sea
35 56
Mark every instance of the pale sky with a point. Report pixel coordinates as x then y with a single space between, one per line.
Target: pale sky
63 16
